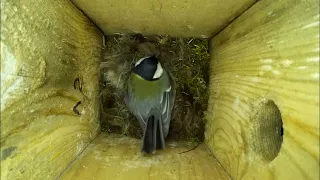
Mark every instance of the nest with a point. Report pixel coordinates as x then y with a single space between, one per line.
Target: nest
188 62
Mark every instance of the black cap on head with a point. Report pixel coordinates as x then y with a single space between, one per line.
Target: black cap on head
147 68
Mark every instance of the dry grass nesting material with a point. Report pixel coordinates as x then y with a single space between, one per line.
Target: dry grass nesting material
188 62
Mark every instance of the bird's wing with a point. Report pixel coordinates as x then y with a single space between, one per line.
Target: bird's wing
140 110
167 102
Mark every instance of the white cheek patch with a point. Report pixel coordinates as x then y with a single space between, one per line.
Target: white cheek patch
140 60
158 72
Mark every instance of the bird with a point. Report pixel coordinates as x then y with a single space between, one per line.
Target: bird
150 98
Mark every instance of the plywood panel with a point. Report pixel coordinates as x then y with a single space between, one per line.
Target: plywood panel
184 18
265 65
45 45
118 157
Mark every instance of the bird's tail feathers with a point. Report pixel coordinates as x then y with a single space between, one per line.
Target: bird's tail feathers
153 135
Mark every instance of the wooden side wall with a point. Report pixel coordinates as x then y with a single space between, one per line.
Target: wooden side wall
45 45
181 18
263 116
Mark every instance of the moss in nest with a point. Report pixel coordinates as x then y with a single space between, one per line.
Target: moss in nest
115 67
188 62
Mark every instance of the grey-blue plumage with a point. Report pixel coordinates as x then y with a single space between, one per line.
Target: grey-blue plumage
150 97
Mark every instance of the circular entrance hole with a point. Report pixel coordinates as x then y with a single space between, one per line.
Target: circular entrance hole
267 131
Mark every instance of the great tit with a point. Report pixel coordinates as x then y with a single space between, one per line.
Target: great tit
150 98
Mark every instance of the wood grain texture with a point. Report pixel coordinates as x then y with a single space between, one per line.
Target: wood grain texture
45 45
118 157
176 18
271 52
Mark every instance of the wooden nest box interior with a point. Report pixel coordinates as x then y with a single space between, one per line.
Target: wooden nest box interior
262 116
